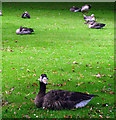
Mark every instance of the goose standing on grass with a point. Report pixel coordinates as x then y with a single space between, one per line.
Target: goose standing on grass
25 15
75 9
96 25
59 99
85 9
0 12
24 30
89 18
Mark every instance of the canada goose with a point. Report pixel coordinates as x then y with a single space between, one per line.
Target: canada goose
24 30
89 18
0 13
85 8
75 9
59 99
25 15
96 25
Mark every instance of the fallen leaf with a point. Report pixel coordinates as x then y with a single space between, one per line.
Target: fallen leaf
35 84
81 75
91 67
27 116
68 116
106 104
75 62
33 92
34 74
32 100
15 113
33 111
25 97
99 76
111 92
100 116
12 68
12 105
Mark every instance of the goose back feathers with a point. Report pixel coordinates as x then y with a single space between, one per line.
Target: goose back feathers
25 15
60 99
24 30
75 9
96 25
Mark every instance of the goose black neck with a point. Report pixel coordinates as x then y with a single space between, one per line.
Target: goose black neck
42 87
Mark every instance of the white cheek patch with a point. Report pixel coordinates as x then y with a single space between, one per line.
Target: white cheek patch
82 103
44 80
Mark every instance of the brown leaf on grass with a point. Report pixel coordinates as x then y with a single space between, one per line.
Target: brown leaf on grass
81 75
80 83
27 116
33 111
34 84
12 68
106 104
12 105
8 92
24 103
74 62
25 97
91 82
12 88
34 74
109 84
32 100
15 113
111 92
91 67
33 92
100 116
99 76
96 91
78 116
64 83
68 116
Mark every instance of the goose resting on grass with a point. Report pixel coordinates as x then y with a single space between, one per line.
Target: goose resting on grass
60 99
96 25
89 18
24 30
75 9
85 9
25 15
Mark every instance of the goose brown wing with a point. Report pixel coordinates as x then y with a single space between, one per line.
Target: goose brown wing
68 95
28 15
61 99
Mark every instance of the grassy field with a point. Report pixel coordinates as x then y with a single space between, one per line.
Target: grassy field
60 38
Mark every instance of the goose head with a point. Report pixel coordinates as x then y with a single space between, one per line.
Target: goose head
89 6
92 15
43 78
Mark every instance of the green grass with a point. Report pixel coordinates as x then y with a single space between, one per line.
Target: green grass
60 38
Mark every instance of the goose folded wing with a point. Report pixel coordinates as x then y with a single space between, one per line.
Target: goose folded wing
28 15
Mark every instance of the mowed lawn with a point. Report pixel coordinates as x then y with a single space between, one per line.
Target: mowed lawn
60 38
